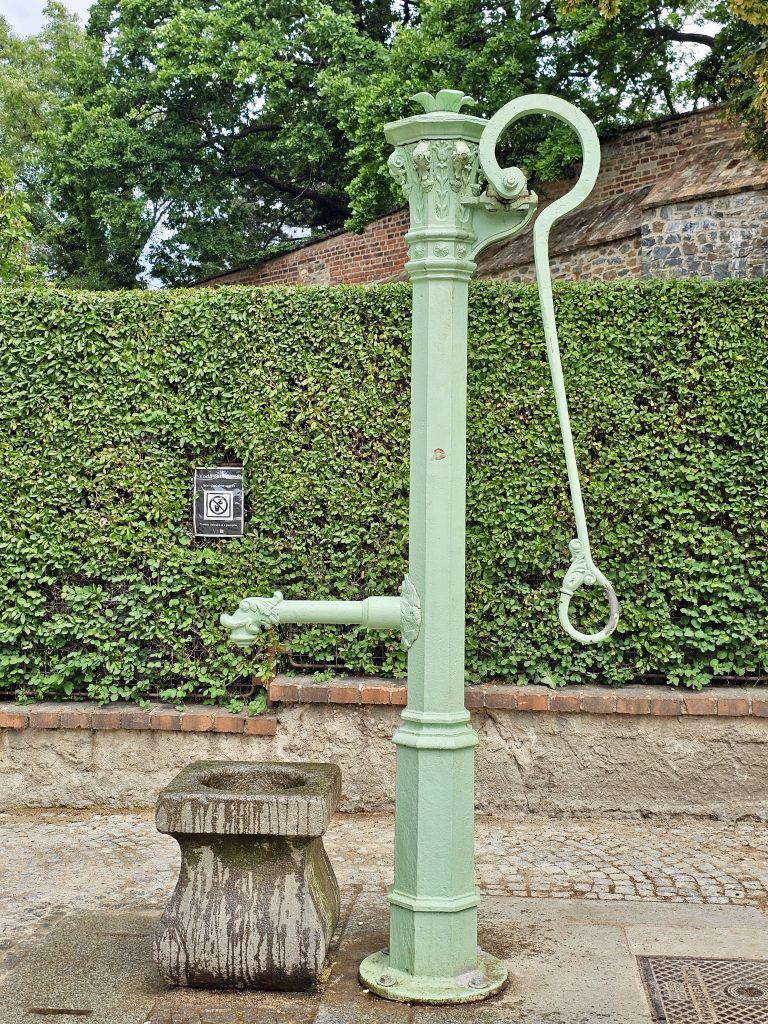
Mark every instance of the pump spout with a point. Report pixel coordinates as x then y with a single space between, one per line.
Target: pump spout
255 614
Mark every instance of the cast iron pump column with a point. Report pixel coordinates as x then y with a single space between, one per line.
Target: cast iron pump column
433 953
460 201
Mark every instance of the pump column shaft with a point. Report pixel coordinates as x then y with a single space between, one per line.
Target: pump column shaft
433 929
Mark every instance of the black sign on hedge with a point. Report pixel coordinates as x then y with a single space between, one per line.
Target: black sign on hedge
218 501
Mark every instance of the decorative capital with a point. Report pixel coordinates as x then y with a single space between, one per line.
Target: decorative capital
436 176
461 201
449 101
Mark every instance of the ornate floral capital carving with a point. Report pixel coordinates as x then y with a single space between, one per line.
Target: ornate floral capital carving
435 176
458 205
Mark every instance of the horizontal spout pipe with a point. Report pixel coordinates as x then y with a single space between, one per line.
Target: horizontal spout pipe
255 614
373 612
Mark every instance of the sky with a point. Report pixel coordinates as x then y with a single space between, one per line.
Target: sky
26 16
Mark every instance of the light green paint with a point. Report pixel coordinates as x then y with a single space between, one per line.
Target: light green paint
255 614
441 160
488 977
433 904
583 570
461 201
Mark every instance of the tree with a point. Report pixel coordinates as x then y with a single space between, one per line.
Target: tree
191 136
736 67
36 77
205 120
618 69
15 234
748 80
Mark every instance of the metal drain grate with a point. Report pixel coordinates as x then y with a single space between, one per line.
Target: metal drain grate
687 990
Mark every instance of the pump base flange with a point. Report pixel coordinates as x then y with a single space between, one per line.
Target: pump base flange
489 977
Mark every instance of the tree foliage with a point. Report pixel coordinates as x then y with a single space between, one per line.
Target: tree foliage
736 67
38 75
749 74
16 266
189 136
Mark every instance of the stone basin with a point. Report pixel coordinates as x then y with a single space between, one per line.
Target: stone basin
250 798
254 779
256 902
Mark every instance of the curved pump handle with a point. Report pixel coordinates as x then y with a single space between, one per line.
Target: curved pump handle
583 572
508 183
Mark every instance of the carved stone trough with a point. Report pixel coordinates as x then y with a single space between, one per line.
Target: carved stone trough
257 901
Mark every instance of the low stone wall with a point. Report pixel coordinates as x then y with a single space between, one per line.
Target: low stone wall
581 751
609 261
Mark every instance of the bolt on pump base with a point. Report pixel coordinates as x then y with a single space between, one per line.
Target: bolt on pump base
488 977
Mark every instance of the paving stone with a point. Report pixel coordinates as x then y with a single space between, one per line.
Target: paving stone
364 930
570 962
74 969
58 862
203 1006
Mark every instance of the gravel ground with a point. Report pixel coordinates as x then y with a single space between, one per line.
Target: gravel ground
54 862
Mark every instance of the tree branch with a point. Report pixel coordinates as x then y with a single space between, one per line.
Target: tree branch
546 14
250 129
300 192
672 35
666 92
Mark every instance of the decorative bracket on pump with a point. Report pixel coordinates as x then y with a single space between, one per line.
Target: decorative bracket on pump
255 614
509 183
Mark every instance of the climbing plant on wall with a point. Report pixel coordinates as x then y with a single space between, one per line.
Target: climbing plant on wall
110 399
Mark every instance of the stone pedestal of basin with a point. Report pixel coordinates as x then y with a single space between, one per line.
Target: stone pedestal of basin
257 901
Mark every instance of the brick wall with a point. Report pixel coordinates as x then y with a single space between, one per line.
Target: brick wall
675 197
378 254
645 155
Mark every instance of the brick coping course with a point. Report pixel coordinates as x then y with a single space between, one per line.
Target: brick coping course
158 717
722 701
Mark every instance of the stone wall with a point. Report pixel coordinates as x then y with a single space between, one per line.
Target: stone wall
676 197
608 262
722 237
579 751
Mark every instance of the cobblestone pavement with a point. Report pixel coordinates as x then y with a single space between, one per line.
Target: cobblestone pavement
56 862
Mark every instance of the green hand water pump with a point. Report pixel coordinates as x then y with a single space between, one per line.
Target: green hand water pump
460 201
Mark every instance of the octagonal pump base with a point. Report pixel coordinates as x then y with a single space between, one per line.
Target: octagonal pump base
488 978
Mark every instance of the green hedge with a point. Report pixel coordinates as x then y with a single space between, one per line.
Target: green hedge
110 400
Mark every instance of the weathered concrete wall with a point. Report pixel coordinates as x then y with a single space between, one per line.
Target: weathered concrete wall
555 763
